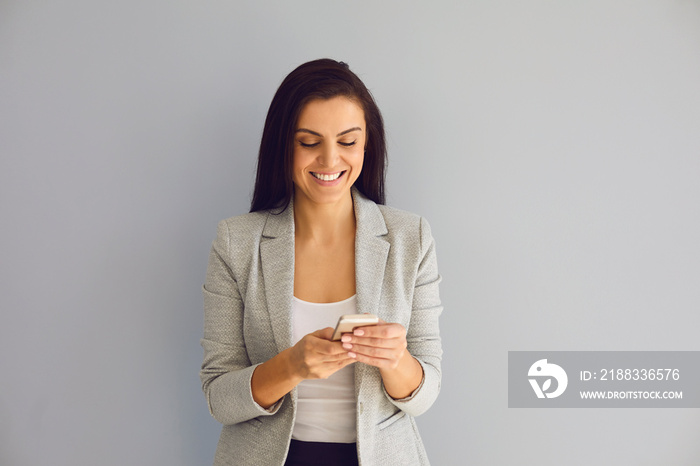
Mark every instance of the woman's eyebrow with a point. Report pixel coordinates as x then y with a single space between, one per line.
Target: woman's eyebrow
356 128
304 130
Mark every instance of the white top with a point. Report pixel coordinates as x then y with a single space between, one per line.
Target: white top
325 407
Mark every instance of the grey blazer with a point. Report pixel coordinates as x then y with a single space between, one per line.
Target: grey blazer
247 304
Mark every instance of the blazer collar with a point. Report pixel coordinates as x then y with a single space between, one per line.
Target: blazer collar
370 221
277 257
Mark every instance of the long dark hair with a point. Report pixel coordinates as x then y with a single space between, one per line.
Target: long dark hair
318 79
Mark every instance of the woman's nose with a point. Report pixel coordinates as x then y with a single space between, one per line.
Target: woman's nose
328 156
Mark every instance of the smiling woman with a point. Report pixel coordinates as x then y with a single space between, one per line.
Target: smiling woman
317 244
312 83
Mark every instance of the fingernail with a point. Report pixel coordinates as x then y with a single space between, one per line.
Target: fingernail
347 346
352 355
359 332
345 338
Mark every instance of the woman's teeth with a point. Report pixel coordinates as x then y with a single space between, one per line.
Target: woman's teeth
324 177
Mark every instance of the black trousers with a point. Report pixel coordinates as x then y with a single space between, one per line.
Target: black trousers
321 454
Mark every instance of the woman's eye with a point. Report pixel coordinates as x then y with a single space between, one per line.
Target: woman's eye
347 144
306 144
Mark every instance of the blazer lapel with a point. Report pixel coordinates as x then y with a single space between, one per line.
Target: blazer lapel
371 252
277 258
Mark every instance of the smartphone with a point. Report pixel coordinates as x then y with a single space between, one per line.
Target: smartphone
348 323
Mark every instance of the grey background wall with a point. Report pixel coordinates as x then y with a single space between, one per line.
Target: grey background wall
554 147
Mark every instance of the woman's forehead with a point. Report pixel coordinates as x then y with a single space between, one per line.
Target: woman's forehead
337 113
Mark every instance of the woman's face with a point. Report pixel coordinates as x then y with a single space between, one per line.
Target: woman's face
329 147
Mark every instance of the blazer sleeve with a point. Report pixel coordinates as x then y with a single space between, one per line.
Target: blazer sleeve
226 370
423 333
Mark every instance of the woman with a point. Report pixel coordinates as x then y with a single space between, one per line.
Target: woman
319 243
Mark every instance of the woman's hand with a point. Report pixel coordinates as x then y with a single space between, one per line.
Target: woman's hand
315 356
382 345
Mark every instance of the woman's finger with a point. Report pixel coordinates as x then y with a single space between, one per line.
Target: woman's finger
374 361
370 341
373 351
381 331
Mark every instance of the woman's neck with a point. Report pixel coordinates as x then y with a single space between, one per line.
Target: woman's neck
323 223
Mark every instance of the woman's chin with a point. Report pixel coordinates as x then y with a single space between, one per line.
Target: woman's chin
322 194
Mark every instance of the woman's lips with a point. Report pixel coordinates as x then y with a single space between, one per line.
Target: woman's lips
328 179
